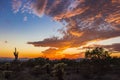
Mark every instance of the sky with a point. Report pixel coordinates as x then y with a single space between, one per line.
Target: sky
58 28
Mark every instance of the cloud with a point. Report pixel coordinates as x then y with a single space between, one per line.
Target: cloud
39 7
87 20
36 7
114 47
16 4
54 53
25 18
6 42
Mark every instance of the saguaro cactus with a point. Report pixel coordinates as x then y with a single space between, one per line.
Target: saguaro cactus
16 54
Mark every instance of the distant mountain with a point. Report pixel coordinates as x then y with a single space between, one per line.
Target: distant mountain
6 59
79 59
2 59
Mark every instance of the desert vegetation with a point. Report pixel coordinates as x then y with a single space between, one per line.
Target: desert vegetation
97 65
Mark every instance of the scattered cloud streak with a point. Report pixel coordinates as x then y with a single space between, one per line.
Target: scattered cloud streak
87 20
25 18
39 7
113 47
16 4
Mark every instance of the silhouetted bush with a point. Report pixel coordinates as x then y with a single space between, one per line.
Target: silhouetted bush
7 74
58 70
97 53
47 68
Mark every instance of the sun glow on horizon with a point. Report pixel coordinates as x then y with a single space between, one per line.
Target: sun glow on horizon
58 29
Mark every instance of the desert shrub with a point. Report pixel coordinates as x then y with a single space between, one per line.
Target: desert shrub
16 67
47 68
97 53
29 63
7 66
37 70
58 70
7 74
1 75
41 61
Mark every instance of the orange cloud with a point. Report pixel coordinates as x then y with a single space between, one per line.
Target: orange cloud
54 4
115 1
87 20
53 53
70 14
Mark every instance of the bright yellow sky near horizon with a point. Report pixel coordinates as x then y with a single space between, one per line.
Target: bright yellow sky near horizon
29 51
58 28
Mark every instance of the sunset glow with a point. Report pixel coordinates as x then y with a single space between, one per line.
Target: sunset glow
58 28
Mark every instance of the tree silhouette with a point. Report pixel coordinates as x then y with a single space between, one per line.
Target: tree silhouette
88 54
97 53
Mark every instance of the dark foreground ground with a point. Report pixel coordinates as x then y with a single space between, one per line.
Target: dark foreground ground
44 69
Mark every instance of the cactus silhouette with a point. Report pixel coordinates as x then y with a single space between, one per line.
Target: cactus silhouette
16 54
